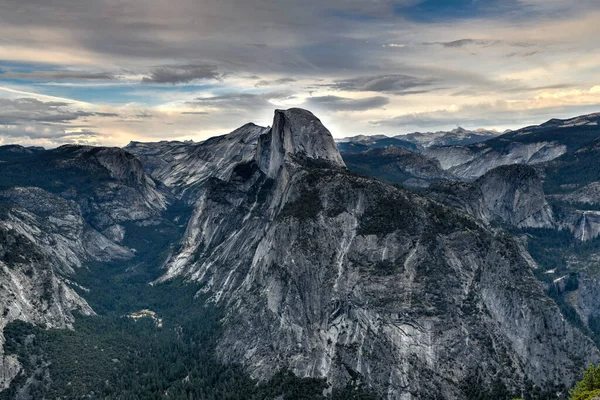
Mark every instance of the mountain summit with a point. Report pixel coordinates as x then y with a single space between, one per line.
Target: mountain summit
296 135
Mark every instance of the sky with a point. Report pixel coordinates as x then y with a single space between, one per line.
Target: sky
106 72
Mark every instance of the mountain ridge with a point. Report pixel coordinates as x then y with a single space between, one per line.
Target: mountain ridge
294 253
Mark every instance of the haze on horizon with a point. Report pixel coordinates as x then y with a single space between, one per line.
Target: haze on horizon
109 71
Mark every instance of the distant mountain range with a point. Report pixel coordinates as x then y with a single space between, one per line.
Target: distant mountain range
482 150
455 137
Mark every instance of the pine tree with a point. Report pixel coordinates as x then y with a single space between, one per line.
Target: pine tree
588 387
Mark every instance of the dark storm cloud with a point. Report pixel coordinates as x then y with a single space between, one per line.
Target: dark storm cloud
98 114
182 73
393 84
336 103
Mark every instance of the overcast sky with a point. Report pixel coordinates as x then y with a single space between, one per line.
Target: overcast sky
110 71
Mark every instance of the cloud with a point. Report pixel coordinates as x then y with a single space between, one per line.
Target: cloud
554 103
14 112
48 123
336 103
57 136
182 73
144 114
524 53
57 75
281 81
467 42
242 101
395 84
518 89
460 43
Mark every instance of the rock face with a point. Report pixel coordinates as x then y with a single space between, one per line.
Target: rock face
511 194
589 194
109 184
530 145
296 135
396 165
585 297
469 163
338 276
42 240
185 167
60 209
572 182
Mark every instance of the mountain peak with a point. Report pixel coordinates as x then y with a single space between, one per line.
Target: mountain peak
459 129
296 133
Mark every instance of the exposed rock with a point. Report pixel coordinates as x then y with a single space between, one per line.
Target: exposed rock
589 194
585 298
471 162
185 167
530 145
31 289
338 276
397 166
512 194
296 135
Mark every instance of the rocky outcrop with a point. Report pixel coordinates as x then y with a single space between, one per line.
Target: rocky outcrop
589 194
120 190
397 166
109 184
469 163
512 195
344 277
41 241
296 135
157 156
185 167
